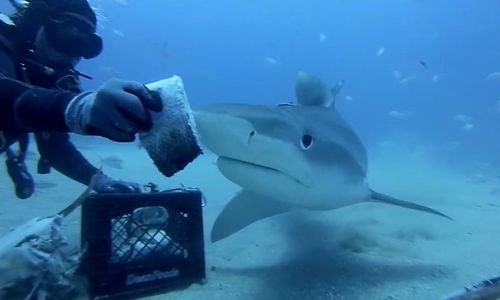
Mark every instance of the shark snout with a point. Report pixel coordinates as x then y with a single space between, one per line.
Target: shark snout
224 135
232 136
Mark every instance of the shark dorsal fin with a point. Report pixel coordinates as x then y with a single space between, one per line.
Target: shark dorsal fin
312 91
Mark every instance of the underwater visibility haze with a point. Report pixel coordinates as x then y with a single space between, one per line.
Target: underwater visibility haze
420 89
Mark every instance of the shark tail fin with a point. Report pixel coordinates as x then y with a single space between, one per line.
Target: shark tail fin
378 197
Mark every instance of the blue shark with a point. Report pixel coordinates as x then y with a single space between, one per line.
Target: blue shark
290 156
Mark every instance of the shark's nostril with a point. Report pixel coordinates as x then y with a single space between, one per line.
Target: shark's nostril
252 133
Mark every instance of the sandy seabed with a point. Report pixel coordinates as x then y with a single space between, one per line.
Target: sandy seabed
366 251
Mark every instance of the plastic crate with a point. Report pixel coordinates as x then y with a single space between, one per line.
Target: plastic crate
137 244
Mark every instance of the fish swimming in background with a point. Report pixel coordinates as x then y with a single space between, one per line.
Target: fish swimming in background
121 2
397 74
400 114
321 37
101 18
380 51
405 81
301 155
423 64
112 162
436 77
493 76
468 126
118 33
466 120
271 60
463 118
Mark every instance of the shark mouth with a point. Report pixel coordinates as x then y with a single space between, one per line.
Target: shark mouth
261 167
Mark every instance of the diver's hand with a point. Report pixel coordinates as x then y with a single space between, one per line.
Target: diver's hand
117 110
104 184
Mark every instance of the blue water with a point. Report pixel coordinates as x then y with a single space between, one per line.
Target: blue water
250 52
219 48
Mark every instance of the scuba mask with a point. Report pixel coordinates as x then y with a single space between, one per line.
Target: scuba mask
73 35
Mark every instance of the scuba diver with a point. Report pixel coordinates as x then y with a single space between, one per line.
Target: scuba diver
40 93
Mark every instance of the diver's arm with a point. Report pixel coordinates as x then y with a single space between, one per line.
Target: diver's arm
43 109
117 110
63 156
32 108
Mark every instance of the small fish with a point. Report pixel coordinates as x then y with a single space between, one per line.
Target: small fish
380 51
122 2
41 184
495 192
397 74
101 18
400 114
493 76
478 179
423 64
348 98
468 126
118 33
271 60
322 37
112 162
463 118
436 77
407 80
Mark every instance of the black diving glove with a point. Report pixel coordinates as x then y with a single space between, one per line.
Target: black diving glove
18 172
117 110
104 184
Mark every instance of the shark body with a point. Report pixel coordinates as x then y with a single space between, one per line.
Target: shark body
300 155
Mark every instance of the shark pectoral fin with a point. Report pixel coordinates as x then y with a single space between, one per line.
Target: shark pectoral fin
244 209
378 197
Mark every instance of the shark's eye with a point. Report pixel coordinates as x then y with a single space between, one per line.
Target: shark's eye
306 141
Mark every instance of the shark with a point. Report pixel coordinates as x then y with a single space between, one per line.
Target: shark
301 155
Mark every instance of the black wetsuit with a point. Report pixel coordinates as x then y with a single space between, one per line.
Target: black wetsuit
33 98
